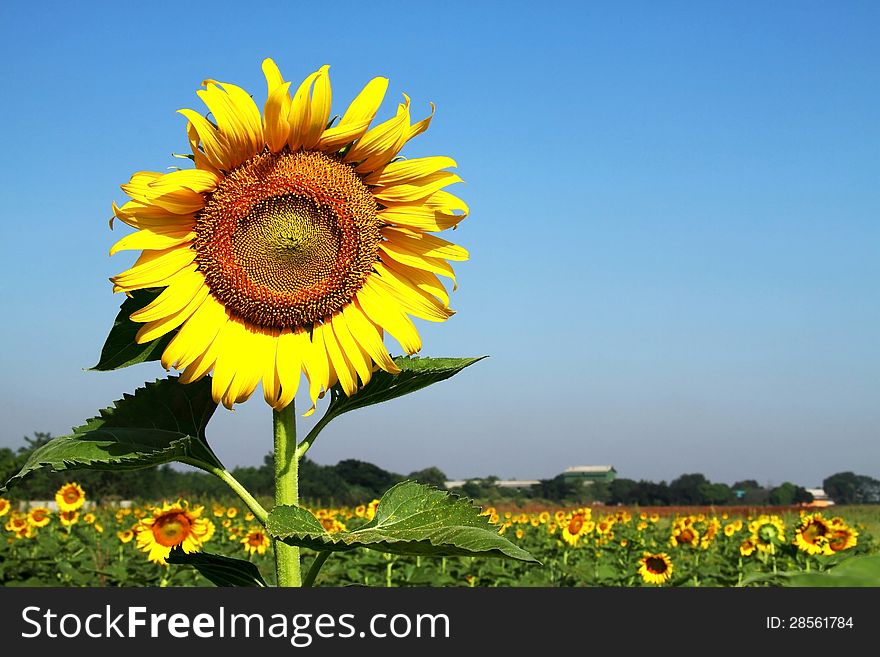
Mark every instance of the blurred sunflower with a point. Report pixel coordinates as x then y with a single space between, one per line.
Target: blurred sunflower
68 518
768 533
256 540
813 533
4 506
573 528
655 568
70 497
39 516
172 525
294 243
125 536
842 536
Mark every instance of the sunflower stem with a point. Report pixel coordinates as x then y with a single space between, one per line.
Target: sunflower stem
320 558
287 567
250 501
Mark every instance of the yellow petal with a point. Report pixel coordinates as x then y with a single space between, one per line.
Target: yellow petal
418 189
354 353
182 288
156 329
420 217
368 336
292 347
408 171
152 239
195 335
435 265
357 117
379 146
342 366
385 313
316 364
214 144
201 160
425 281
153 268
277 123
410 300
422 244
319 109
418 128
428 306
145 215
300 113
237 120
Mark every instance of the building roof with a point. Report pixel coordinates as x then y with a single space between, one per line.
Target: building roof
590 468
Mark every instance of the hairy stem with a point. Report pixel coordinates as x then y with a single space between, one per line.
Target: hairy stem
287 567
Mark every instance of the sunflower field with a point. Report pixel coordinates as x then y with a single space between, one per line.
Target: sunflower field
80 544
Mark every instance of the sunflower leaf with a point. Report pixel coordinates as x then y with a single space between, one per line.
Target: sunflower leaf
220 570
162 422
412 519
415 373
120 349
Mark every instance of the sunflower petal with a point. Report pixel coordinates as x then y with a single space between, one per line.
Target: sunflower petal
420 217
384 312
357 117
408 171
341 364
422 244
195 335
215 146
300 114
319 109
354 353
157 328
369 337
417 189
153 268
182 287
153 240
289 364
379 146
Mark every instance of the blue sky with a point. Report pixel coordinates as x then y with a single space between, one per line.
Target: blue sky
674 222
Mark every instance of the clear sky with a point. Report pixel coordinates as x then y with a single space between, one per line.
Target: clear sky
674 230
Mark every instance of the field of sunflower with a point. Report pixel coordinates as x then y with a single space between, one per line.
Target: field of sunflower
83 545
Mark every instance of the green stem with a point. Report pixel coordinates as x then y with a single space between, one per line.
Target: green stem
320 558
226 477
306 443
287 567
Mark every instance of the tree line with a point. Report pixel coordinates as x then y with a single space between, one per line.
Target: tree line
352 482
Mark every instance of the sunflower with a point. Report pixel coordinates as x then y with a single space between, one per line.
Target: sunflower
172 525
294 243
813 534
68 518
655 568
125 536
255 541
684 533
573 529
39 516
747 547
4 506
842 537
768 533
70 497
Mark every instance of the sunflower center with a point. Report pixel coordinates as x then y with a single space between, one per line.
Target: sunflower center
576 524
171 529
656 565
287 239
814 531
71 496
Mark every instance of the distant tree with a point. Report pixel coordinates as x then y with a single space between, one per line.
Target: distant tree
688 489
850 488
623 491
716 493
557 489
432 476
788 493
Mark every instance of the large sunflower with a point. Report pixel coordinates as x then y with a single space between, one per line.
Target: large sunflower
655 568
294 243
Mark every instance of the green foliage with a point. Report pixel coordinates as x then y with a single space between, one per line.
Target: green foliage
163 421
220 570
416 373
787 494
411 519
861 570
850 488
120 349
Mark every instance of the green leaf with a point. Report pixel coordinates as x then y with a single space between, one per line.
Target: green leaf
120 349
411 518
416 373
220 570
855 571
163 421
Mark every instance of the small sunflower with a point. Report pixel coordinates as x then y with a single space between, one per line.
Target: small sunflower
172 525
39 516
813 533
125 536
747 547
70 497
684 534
68 518
294 244
655 568
4 506
768 533
573 528
842 537
256 540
